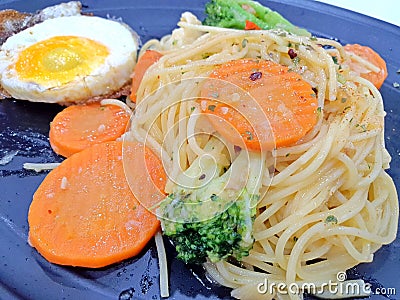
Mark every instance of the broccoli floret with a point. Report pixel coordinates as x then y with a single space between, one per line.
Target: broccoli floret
226 234
213 220
234 13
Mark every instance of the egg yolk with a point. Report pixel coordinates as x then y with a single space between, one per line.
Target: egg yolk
59 60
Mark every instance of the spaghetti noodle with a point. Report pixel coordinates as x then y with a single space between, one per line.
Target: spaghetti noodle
329 204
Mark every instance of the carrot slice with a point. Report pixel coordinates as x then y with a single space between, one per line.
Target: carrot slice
78 127
145 61
84 214
259 104
365 52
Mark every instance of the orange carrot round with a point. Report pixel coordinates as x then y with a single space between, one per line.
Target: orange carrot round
84 214
138 161
78 127
365 52
259 104
145 61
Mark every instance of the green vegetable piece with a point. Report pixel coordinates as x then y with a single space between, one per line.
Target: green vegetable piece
331 220
216 238
234 13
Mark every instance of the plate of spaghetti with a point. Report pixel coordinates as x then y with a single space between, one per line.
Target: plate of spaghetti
252 156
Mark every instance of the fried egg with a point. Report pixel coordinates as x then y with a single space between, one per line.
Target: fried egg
68 59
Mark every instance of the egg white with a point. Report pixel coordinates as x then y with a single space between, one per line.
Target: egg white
110 76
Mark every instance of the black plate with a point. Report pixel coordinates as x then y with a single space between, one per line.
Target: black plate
24 127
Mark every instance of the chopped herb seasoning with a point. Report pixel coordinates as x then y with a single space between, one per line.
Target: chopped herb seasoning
295 238
249 135
344 100
331 220
341 78
214 197
396 84
211 107
202 176
289 44
244 43
214 94
291 53
206 55
192 108
319 111
363 127
313 38
287 154
186 196
334 58
256 75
